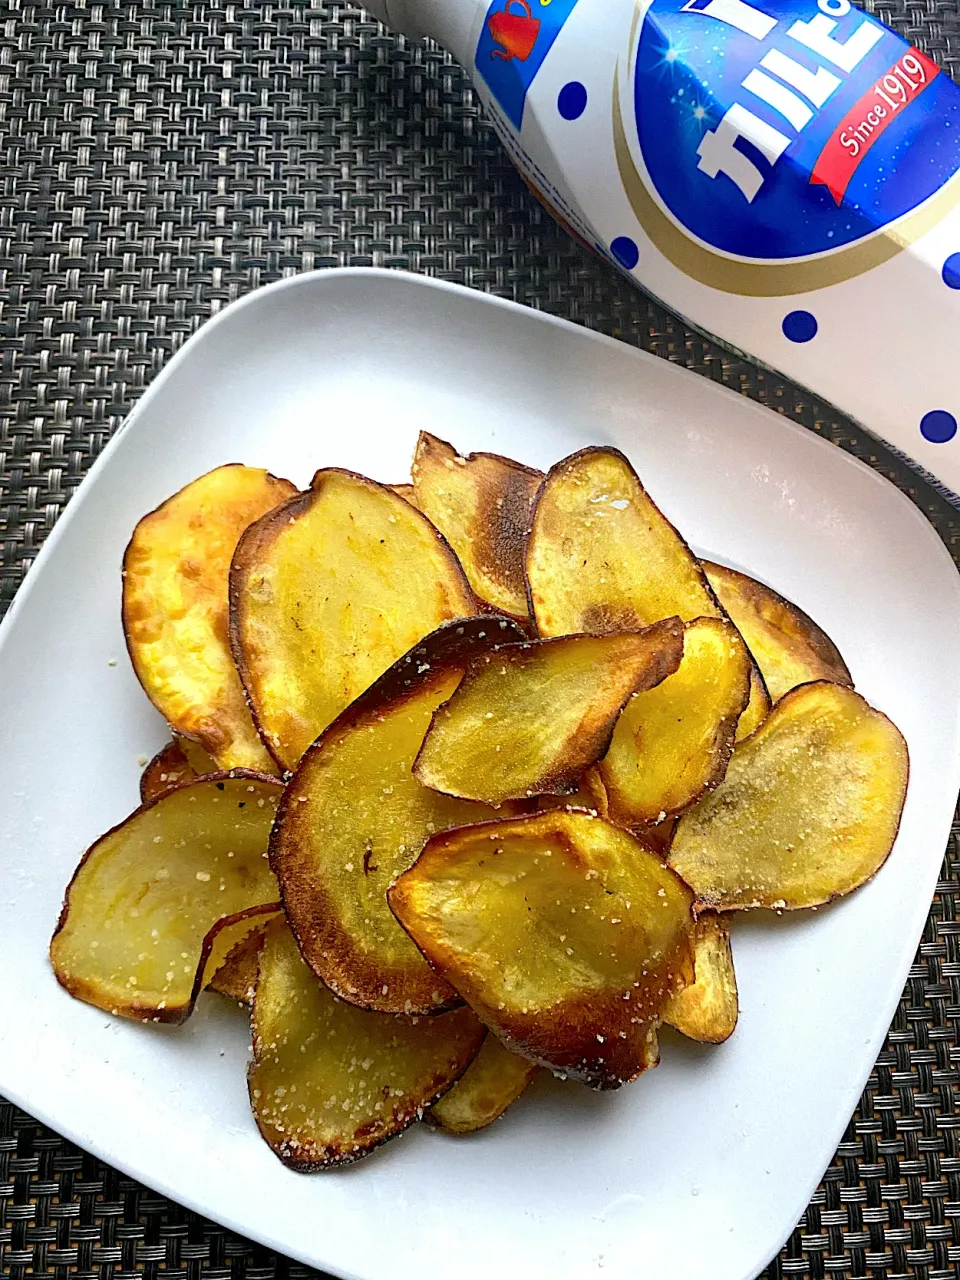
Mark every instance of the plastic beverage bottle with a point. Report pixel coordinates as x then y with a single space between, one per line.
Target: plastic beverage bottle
785 174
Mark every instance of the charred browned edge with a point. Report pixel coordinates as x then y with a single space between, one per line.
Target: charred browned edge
564 781
725 739
133 1010
124 620
513 1035
169 759
701 905
512 463
825 649
450 646
261 533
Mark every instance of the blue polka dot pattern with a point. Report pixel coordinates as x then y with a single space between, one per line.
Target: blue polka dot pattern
800 326
938 426
626 252
572 101
951 271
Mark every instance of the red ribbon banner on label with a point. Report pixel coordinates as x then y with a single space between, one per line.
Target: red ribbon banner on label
866 120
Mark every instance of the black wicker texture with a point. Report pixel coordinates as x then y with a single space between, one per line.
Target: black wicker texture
158 161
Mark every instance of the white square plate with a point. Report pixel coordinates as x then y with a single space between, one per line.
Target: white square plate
702 1167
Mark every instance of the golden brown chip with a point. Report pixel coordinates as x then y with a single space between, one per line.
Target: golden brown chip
589 795
201 762
355 816
529 719
481 504
405 491
758 706
601 555
134 935
175 604
233 964
787 645
808 810
563 932
658 835
494 1080
328 592
708 1009
673 742
330 1082
167 768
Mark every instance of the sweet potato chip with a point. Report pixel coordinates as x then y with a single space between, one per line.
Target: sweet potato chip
563 932
330 1082
808 811
758 705
494 1080
481 504
175 604
589 795
233 964
405 491
135 933
708 1009
529 719
601 555
355 816
673 742
167 769
787 645
658 835
326 593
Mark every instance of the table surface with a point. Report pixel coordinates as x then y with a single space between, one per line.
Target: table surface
156 162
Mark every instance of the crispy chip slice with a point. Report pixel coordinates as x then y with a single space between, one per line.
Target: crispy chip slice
481 504
326 593
590 795
601 555
758 705
673 742
808 811
405 491
708 1009
134 935
658 835
232 966
787 645
175 604
330 1082
494 1080
529 719
355 816
167 769
563 932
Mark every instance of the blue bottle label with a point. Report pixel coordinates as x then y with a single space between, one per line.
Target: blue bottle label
515 39
789 129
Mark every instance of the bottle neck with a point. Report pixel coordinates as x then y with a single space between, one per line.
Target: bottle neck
450 22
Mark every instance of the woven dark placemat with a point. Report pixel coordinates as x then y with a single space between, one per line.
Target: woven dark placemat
156 162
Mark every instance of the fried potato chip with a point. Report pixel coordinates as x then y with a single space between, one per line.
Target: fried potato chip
658 835
673 742
175 605
529 719
134 935
589 795
601 555
787 645
494 1080
808 811
330 1082
758 705
231 969
708 1009
563 932
355 816
326 593
405 491
167 769
481 504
